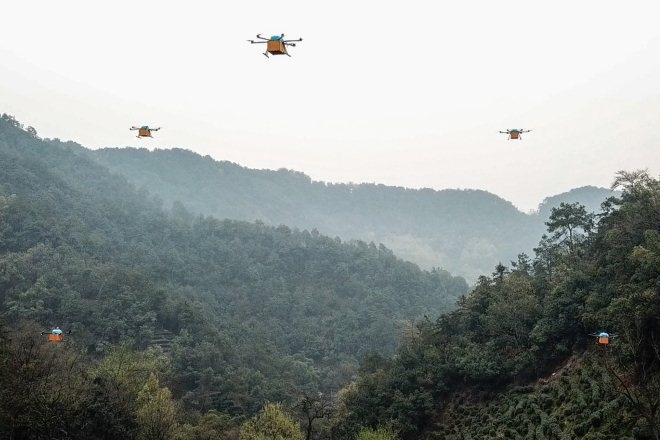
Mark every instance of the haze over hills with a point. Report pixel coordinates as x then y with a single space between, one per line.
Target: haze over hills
232 302
466 232
190 324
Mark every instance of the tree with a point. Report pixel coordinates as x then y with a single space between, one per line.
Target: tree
156 413
313 407
567 220
272 423
630 181
117 380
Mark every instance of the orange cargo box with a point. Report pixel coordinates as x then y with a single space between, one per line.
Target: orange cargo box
276 47
603 340
55 338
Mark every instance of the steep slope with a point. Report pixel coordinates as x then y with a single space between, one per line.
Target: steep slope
578 401
464 231
252 312
518 359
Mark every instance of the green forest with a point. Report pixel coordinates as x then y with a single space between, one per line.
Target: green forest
179 325
515 360
232 314
463 231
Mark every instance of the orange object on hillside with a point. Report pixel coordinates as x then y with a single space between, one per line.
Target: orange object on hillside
55 338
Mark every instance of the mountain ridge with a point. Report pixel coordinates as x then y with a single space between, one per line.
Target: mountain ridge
465 231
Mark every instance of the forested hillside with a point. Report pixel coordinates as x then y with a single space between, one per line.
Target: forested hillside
463 231
233 314
185 326
516 359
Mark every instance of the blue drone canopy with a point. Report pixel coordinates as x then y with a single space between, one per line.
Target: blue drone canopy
276 38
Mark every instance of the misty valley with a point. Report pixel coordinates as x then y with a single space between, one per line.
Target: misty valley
165 295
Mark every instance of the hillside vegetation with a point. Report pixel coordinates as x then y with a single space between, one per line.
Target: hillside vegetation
234 314
463 231
189 327
515 359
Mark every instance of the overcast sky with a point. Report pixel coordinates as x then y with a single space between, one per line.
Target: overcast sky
408 93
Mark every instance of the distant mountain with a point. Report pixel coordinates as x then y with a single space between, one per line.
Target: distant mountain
589 196
466 232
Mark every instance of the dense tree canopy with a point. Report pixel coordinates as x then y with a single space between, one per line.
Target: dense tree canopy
528 322
245 313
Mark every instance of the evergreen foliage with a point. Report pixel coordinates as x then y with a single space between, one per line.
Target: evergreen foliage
233 314
478 372
184 326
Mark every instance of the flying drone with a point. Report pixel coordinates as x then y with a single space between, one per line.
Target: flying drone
603 338
275 45
144 131
55 335
515 133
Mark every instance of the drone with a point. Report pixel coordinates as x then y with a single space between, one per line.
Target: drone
275 45
55 335
144 131
603 338
515 133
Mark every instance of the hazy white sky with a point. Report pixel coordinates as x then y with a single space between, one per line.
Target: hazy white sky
409 93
